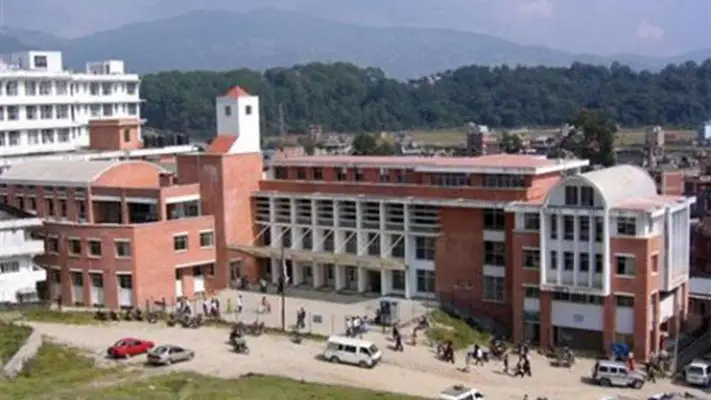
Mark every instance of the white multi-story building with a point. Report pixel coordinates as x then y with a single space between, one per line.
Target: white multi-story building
18 273
47 108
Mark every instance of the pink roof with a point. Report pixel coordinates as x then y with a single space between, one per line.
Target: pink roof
488 161
221 144
236 92
650 203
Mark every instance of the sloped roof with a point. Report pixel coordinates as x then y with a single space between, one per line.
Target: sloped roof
221 144
236 91
69 172
621 183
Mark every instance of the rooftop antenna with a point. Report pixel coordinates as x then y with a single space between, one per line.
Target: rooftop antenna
282 124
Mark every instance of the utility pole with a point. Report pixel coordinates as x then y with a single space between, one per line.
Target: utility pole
282 124
282 288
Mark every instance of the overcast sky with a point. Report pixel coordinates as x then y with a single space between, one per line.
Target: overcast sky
651 27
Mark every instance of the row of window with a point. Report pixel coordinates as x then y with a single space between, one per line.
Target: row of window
626 226
401 176
624 265
94 247
49 211
52 112
494 288
181 242
582 196
620 300
63 88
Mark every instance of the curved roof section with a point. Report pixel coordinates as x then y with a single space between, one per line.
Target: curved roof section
621 182
60 172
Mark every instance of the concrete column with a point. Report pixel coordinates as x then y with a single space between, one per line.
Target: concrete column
546 322
362 279
339 273
275 269
385 282
609 322
654 340
410 283
297 273
319 278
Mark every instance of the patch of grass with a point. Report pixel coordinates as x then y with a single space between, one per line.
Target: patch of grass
60 317
54 367
447 328
12 337
251 387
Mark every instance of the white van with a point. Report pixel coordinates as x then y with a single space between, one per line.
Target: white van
341 349
698 373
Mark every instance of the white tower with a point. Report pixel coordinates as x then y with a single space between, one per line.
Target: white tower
238 116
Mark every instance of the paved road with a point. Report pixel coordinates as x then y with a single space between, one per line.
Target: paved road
414 371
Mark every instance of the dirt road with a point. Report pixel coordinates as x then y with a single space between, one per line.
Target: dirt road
413 372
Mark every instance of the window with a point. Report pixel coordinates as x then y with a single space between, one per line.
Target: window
63 135
571 195
531 258
398 280
206 239
30 88
598 263
9 267
359 175
49 207
624 301
584 262
554 260
425 281
626 226
340 174
123 248
384 176
228 111
13 138
568 227
554 227
531 292
425 248
493 288
568 261
95 248
587 196
317 174
52 245
107 110
301 174
180 242
126 135
47 136
494 219
125 281
46 112
248 110
625 265
11 88
61 88
106 88
503 181
281 173
131 88
31 112
599 229
74 247
531 222
33 137
63 208
494 253
584 228
45 88
62 112
40 61
132 109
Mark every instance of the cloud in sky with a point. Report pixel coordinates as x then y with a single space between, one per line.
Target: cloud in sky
649 31
536 9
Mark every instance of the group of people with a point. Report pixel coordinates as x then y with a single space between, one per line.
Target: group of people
355 326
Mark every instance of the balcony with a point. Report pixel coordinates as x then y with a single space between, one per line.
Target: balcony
26 248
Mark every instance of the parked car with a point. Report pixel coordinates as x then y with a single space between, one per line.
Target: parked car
347 350
698 373
168 354
614 373
129 347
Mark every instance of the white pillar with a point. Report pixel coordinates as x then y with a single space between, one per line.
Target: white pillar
339 273
410 282
297 273
385 282
319 279
362 279
275 269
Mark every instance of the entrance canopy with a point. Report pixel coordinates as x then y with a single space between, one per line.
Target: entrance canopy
322 258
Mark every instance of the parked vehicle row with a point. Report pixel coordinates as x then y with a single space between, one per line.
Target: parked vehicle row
156 355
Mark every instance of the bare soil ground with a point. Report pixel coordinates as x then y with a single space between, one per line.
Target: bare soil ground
415 372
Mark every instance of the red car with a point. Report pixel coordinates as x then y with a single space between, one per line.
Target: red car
128 347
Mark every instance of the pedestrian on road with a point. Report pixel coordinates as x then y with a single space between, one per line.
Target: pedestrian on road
478 355
505 359
526 368
240 304
398 343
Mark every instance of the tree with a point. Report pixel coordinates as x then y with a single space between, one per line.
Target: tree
365 144
510 143
345 98
592 138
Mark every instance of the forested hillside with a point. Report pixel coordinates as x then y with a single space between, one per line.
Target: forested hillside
343 97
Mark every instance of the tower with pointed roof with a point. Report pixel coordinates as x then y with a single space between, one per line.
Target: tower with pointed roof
237 114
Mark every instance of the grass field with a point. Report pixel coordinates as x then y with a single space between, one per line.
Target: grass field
447 328
12 337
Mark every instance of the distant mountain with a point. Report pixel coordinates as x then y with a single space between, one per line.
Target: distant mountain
264 38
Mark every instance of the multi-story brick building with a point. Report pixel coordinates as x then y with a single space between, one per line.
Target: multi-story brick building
529 242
